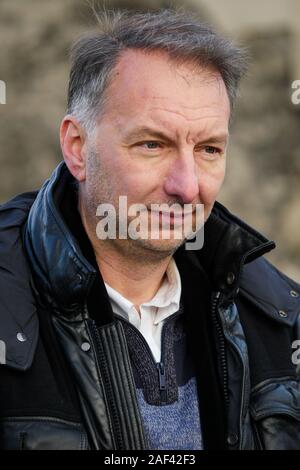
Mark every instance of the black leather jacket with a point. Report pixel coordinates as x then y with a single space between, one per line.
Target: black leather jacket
45 282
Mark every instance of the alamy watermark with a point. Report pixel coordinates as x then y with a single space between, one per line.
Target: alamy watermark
154 222
2 352
2 92
296 94
296 354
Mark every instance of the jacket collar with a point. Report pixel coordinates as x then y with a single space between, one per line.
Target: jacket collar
233 255
61 272
229 244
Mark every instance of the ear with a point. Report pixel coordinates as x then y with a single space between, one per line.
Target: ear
73 141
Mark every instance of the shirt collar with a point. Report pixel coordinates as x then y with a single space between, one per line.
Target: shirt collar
166 300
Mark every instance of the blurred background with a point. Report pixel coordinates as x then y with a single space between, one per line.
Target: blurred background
263 176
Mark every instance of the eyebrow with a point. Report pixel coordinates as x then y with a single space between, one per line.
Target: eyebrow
141 131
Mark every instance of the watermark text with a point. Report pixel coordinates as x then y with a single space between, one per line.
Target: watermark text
2 92
296 94
2 352
154 222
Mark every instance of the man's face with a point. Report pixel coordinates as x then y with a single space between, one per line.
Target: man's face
162 138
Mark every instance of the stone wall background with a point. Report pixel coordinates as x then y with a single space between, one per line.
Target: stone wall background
262 184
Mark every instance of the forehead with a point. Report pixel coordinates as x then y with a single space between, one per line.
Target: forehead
146 82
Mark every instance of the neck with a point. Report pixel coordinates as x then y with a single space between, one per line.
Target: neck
135 280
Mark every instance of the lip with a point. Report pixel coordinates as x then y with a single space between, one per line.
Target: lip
172 215
170 219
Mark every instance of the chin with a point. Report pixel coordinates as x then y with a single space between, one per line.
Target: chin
167 247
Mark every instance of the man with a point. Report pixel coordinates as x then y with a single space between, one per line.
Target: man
136 342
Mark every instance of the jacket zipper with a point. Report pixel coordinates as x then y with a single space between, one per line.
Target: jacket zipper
102 366
222 347
224 361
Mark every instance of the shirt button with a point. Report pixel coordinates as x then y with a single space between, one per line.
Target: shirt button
293 293
232 439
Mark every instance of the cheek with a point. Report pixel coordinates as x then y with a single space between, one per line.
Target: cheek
137 181
210 185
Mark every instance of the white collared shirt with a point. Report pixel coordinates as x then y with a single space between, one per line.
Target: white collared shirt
154 312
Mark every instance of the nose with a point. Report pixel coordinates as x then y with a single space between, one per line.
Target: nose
182 180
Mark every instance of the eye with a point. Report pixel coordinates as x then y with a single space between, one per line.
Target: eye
150 145
212 150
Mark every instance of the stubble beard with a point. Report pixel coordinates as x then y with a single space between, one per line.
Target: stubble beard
100 190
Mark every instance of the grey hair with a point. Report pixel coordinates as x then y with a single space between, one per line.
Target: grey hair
180 34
